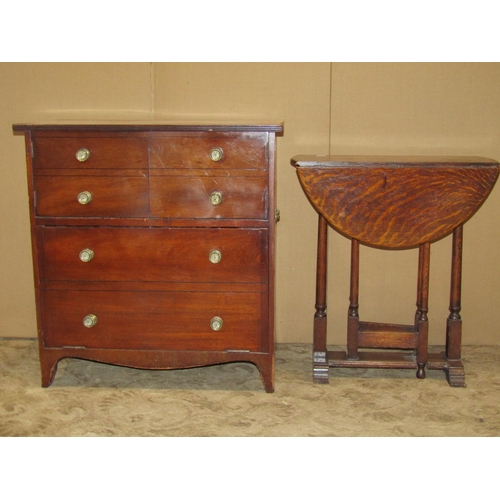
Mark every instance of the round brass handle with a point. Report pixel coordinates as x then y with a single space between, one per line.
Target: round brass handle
86 255
82 154
216 154
215 198
84 197
215 256
216 323
90 320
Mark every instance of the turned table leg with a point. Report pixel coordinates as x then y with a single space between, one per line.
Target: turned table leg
455 369
353 315
421 319
320 362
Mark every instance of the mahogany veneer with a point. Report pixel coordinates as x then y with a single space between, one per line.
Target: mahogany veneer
153 244
393 203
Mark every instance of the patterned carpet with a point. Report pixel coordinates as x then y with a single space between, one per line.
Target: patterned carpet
92 399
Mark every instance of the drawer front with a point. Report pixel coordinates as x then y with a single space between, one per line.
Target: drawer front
246 151
193 197
103 152
153 320
154 254
115 196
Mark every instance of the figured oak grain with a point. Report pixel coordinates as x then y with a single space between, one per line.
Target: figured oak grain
399 204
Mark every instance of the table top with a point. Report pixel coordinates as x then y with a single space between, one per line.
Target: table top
396 202
327 161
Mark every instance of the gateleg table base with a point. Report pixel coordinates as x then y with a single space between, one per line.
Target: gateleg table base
386 345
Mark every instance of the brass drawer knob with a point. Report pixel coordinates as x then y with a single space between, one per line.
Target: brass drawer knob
216 154
84 197
86 255
82 154
216 323
215 256
90 320
215 198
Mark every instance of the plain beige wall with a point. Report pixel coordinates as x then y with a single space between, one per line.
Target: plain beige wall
339 108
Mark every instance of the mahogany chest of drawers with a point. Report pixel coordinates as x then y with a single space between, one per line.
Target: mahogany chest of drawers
153 245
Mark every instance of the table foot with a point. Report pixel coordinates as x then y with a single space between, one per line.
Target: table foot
320 368
320 375
453 368
421 370
455 373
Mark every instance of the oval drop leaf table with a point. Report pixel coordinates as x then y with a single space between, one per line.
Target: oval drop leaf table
393 203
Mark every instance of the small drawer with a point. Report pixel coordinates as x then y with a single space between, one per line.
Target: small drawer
197 197
91 196
243 151
153 320
154 254
90 152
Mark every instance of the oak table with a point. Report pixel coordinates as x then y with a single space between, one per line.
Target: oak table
393 203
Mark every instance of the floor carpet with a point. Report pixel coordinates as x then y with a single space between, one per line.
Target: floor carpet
93 399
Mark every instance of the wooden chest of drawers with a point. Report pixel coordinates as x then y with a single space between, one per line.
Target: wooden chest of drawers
153 245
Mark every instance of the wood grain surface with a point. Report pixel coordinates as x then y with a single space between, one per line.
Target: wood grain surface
396 203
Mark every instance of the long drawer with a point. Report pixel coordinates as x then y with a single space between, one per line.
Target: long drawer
153 254
162 150
153 320
80 194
